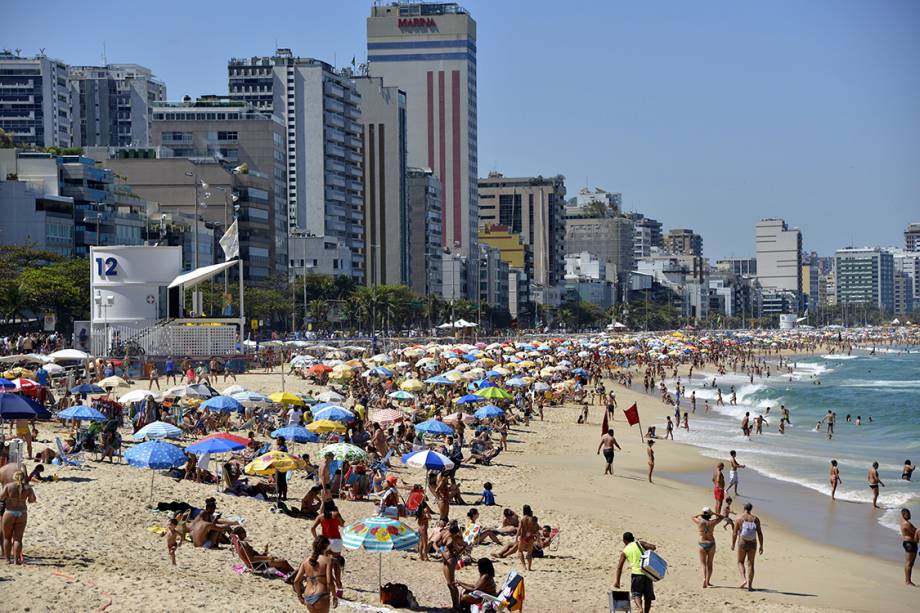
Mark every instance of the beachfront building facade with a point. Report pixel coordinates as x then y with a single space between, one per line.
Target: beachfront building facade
608 238
37 101
242 138
519 257
424 238
532 207
114 104
739 266
428 50
647 236
865 276
320 110
907 263
386 215
779 258
912 237
683 241
493 277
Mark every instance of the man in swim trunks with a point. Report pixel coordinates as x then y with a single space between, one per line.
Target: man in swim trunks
718 486
909 542
830 418
835 479
608 442
706 522
733 472
747 526
874 483
746 425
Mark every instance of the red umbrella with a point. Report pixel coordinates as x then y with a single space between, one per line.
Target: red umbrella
227 437
319 369
25 385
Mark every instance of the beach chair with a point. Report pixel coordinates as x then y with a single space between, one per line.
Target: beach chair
510 596
68 459
554 538
257 568
382 464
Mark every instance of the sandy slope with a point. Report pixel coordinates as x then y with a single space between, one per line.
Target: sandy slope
87 541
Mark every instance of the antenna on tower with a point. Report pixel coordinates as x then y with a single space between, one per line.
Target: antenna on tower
104 58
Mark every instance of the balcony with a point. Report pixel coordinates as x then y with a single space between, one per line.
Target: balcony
335 150
336 136
330 88
334 106
334 180
335 195
335 120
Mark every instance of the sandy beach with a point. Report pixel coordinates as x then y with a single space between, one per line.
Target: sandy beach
88 547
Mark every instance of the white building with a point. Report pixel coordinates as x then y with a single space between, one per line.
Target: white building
37 105
865 276
586 196
584 265
428 50
779 257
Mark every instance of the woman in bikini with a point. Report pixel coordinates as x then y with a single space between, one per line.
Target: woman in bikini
316 573
451 548
706 522
331 522
526 535
16 496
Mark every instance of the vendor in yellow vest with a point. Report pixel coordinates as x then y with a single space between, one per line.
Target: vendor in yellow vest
641 587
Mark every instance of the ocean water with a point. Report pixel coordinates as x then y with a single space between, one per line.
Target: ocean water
885 386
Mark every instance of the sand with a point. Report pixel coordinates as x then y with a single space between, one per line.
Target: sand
88 548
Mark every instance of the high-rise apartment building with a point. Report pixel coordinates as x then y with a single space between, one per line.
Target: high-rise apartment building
646 235
319 108
534 208
37 105
424 238
912 237
683 241
865 276
238 135
738 266
609 239
586 197
779 257
428 50
386 215
908 263
115 104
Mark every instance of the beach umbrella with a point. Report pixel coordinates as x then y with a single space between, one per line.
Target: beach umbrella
251 397
379 371
233 389
274 461
469 399
494 393
214 445
82 412
516 382
65 355
155 455
222 404
344 451
323 426
540 386
14 406
136 396
110 382
25 385
379 534
40 411
402 395
490 411
319 369
334 413
427 459
157 429
200 390
433 426
6 384
330 396
177 391
387 416
298 434
286 398
227 436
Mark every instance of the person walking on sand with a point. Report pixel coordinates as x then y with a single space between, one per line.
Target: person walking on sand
669 429
747 526
651 459
706 522
608 442
16 497
909 543
718 486
835 479
641 587
874 483
733 472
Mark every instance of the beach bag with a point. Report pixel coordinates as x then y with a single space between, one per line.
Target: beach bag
653 564
396 595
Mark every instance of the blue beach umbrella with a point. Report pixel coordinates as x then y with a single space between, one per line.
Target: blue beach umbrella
298 434
14 406
156 430
86 388
155 455
333 413
516 382
223 404
40 411
490 411
433 426
481 383
214 445
439 380
251 397
427 459
380 371
492 374
82 412
7 384
469 399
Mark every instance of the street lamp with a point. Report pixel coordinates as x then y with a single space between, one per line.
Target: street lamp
198 180
97 215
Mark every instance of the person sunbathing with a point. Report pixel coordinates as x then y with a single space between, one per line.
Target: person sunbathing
279 564
485 584
311 502
510 523
208 530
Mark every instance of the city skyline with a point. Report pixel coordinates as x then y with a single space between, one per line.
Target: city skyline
724 104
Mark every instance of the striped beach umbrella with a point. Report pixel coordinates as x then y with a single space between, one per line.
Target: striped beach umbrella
156 430
344 451
379 534
427 459
387 416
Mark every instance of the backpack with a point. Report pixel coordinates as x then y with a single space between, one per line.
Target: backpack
396 595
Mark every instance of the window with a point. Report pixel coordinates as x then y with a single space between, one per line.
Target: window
226 136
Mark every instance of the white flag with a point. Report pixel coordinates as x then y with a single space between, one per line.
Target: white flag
230 241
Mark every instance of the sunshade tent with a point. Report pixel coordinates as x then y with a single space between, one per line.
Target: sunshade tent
387 416
489 411
214 445
13 406
411 385
222 404
274 461
493 393
110 382
433 426
427 459
86 388
401 395
286 398
326 425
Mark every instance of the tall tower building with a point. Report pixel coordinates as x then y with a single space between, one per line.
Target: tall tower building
37 105
428 50
912 237
779 257
319 108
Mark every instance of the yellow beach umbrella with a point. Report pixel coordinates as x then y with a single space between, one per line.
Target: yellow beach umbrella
323 426
274 461
113 382
412 385
286 398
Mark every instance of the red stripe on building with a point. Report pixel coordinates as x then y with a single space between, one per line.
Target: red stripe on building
455 150
431 120
441 150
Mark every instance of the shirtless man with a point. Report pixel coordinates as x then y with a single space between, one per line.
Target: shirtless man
325 476
526 535
706 522
747 525
208 530
874 483
746 425
379 441
608 442
835 479
718 486
733 472
830 418
909 535
651 460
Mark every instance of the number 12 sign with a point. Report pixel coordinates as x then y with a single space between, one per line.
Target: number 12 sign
107 267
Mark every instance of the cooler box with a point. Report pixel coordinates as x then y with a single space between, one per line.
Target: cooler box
618 602
654 565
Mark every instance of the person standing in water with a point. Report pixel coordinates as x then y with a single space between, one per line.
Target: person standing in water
835 479
830 418
874 483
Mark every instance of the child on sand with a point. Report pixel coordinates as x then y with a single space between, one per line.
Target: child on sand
173 539
728 514
487 498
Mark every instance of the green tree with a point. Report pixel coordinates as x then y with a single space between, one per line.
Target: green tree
61 287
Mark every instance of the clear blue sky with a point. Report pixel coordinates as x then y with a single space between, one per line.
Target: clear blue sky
709 115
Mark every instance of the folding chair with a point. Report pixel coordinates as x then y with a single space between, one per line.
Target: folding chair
67 459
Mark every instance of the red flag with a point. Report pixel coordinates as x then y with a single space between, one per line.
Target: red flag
604 426
632 414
